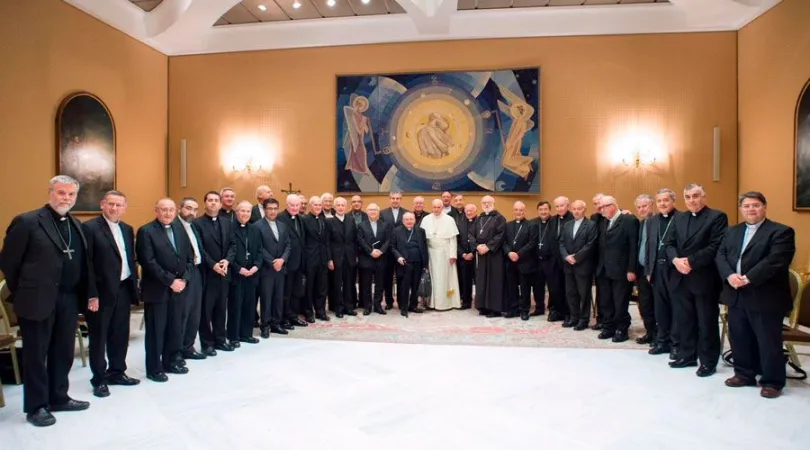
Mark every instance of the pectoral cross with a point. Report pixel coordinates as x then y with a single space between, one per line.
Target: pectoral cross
69 253
541 246
247 255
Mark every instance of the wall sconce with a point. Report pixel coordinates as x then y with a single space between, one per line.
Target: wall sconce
638 159
250 167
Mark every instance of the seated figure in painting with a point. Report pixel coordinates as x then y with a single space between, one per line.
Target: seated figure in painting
433 139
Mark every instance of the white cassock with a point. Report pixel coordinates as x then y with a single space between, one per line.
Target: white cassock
441 232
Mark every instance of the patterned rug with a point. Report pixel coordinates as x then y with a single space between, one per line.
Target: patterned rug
461 328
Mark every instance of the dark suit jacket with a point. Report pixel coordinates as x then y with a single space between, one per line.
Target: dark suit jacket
521 239
557 224
618 247
699 245
216 246
651 251
255 215
419 216
456 214
466 237
273 248
357 216
583 247
107 260
317 250
32 263
765 262
249 241
297 240
367 242
343 241
160 263
387 215
399 244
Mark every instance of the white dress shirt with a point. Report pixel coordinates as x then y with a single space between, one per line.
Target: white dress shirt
193 239
115 227
577 224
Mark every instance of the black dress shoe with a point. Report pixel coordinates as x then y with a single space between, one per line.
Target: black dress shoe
605 334
379 310
681 363
194 354
322 317
249 340
568 324
265 333
366 312
209 351
310 319
705 371
158 377
41 418
581 326
619 336
465 306
646 339
511 315
538 312
339 314
70 405
234 344
180 362
298 322
389 305
403 313
416 310
597 327
483 312
225 347
494 314
122 380
101 391
554 316
524 316
350 312
673 355
278 330
658 349
177 370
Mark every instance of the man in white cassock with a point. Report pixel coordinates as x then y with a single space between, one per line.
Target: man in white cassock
441 231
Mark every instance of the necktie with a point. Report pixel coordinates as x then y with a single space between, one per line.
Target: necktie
170 234
643 246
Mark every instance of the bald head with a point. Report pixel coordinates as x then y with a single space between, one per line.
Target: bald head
608 206
165 211
470 211
373 211
293 203
519 210
419 203
578 208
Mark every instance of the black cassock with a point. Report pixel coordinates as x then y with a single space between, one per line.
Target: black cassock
489 271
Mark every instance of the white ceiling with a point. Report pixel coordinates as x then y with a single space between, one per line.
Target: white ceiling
181 27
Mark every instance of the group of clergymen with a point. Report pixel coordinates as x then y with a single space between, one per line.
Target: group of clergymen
238 265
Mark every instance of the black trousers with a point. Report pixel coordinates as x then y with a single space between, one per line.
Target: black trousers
368 277
518 289
614 303
408 277
646 302
164 337
696 316
355 277
756 345
331 302
316 289
272 295
214 311
388 279
340 297
49 353
242 307
192 309
549 275
667 333
466 280
293 289
578 294
109 336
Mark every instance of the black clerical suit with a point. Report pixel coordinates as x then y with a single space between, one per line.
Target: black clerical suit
546 238
372 269
557 303
419 215
597 219
247 245
490 230
411 245
216 234
646 303
116 280
358 217
387 215
697 236
276 244
466 269
294 282
579 276
756 310
659 270
521 238
256 214
618 256
318 254
163 259
343 243
228 214
47 267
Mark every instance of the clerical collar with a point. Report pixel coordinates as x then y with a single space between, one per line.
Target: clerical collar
56 215
518 220
696 214
241 225
212 218
339 216
166 226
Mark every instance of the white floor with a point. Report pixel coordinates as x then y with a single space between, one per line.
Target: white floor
296 394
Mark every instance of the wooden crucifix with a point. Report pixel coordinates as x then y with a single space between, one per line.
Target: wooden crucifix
290 190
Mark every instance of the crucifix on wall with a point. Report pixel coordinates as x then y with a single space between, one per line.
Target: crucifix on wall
290 190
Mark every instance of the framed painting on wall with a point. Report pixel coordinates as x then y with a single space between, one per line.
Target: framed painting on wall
85 139
432 132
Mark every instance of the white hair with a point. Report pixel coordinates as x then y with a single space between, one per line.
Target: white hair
63 179
291 198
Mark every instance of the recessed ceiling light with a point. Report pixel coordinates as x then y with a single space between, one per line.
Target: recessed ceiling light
366 2
296 5
330 3
262 7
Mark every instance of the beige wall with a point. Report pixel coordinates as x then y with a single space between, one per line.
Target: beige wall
48 50
594 89
773 68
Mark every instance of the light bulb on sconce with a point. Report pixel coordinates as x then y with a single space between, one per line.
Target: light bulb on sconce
248 167
638 159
